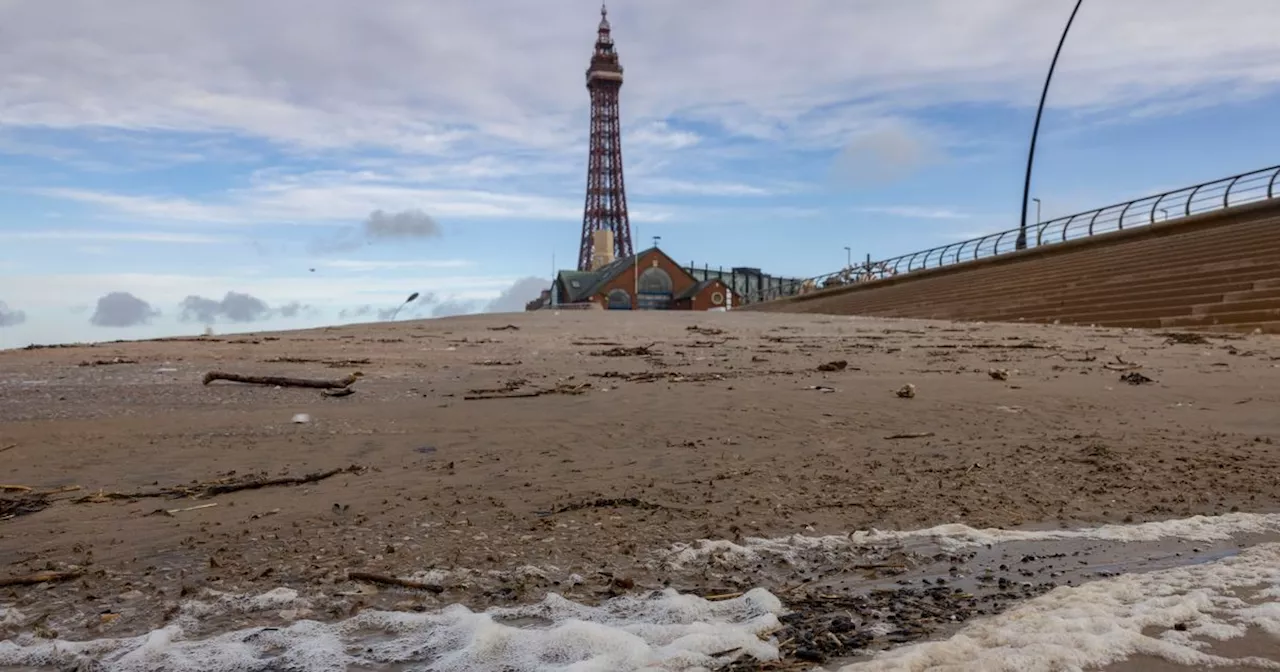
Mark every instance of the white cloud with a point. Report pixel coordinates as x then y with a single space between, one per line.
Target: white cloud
337 200
431 80
659 134
671 187
166 290
116 236
916 212
372 265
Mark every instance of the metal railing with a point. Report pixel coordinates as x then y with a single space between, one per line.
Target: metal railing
1227 192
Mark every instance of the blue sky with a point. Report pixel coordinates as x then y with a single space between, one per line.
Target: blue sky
290 163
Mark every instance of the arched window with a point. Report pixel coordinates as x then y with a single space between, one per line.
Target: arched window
654 280
619 299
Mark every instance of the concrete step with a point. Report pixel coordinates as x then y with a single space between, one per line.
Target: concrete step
967 289
1244 327
1241 317
1139 260
1187 247
1007 302
1176 295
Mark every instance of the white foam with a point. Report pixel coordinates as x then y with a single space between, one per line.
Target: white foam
659 631
1071 628
956 536
1196 528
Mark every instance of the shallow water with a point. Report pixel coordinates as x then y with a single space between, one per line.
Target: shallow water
1193 592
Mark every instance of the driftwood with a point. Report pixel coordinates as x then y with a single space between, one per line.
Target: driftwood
217 488
909 435
344 392
38 578
282 381
381 580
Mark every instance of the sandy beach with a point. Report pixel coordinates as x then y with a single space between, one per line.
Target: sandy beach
500 458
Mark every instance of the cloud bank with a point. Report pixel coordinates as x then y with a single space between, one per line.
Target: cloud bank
122 309
10 317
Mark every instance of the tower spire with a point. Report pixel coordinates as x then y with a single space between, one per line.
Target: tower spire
606 200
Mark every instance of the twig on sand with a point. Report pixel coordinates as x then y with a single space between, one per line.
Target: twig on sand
344 392
38 578
382 580
910 435
16 488
10 446
217 488
282 381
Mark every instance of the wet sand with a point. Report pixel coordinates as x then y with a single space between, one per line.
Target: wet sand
723 428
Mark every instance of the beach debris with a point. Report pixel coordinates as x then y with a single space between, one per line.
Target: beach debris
1121 365
383 580
605 503
907 391
909 435
108 362
706 331
170 512
9 446
39 577
300 419
218 487
505 327
998 374
821 388
1184 338
669 376
283 381
1135 378
341 392
512 391
838 365
623 351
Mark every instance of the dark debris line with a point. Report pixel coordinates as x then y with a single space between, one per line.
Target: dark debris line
821 628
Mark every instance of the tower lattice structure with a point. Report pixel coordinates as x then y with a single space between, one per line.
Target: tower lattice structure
606 204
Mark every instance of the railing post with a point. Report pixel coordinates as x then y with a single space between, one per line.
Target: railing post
1226 195
1272 184
1094 218
1066 226
1155 207
1187 211
1120 222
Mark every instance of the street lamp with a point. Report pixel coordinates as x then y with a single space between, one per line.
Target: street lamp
1035 130
848 257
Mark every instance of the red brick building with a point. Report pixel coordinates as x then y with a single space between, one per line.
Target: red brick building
649 280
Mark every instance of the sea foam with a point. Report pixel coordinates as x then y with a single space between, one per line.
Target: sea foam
1074 628
1069 628
660 631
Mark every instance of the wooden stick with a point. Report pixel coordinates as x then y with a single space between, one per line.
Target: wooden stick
380 579
910 435
38 578
719 598
281 381
223 488
191 508
16 488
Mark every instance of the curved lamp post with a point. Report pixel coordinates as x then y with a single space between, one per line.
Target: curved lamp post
1035 131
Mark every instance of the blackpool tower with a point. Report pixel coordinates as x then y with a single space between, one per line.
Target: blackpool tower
606 204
